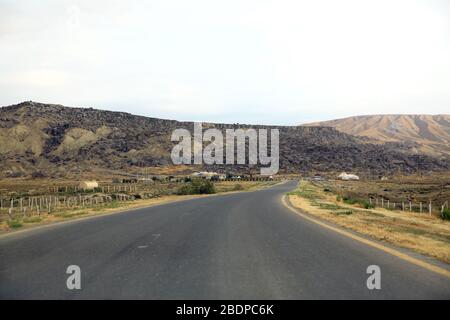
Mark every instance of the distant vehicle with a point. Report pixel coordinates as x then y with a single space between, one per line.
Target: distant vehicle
318 177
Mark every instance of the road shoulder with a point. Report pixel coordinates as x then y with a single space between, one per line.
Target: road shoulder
437 266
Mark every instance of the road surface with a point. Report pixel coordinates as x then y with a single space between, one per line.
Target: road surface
235 246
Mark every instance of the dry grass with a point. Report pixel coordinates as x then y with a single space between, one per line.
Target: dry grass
116 206
417 188
420 232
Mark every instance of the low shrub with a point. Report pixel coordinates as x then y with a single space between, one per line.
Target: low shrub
366 204
197 186
348 200
14 224
445 215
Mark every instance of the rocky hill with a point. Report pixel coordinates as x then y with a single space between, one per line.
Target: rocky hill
424 133
57 141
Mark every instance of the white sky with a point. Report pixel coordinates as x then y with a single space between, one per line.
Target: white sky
268 62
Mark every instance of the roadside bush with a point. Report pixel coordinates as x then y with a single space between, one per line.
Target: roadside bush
14 224
197 186
348 200
366 204
445 215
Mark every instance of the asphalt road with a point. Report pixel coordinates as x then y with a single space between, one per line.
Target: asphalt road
236 246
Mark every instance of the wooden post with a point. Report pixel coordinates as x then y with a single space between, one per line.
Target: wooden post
382 202
429 208
410 206
420 205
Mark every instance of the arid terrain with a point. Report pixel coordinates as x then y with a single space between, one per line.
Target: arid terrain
42 201
403 164
422 133
345 204
46 140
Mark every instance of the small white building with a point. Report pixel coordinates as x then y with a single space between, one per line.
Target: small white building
208 175
347 176
88 185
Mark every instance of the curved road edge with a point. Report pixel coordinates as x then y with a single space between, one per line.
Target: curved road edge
361 238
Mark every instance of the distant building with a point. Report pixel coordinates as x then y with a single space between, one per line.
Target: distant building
209 175
88 185
347 176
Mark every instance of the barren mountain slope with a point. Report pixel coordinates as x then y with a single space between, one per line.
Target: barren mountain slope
428 133
58 141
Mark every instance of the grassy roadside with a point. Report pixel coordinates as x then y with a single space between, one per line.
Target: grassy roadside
118 206
425 234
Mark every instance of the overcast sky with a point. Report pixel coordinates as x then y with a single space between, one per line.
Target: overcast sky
268 62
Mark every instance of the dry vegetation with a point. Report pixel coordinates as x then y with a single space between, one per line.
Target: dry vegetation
424 233
397 190
139 195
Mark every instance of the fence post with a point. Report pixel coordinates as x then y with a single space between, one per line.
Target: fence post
429 208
